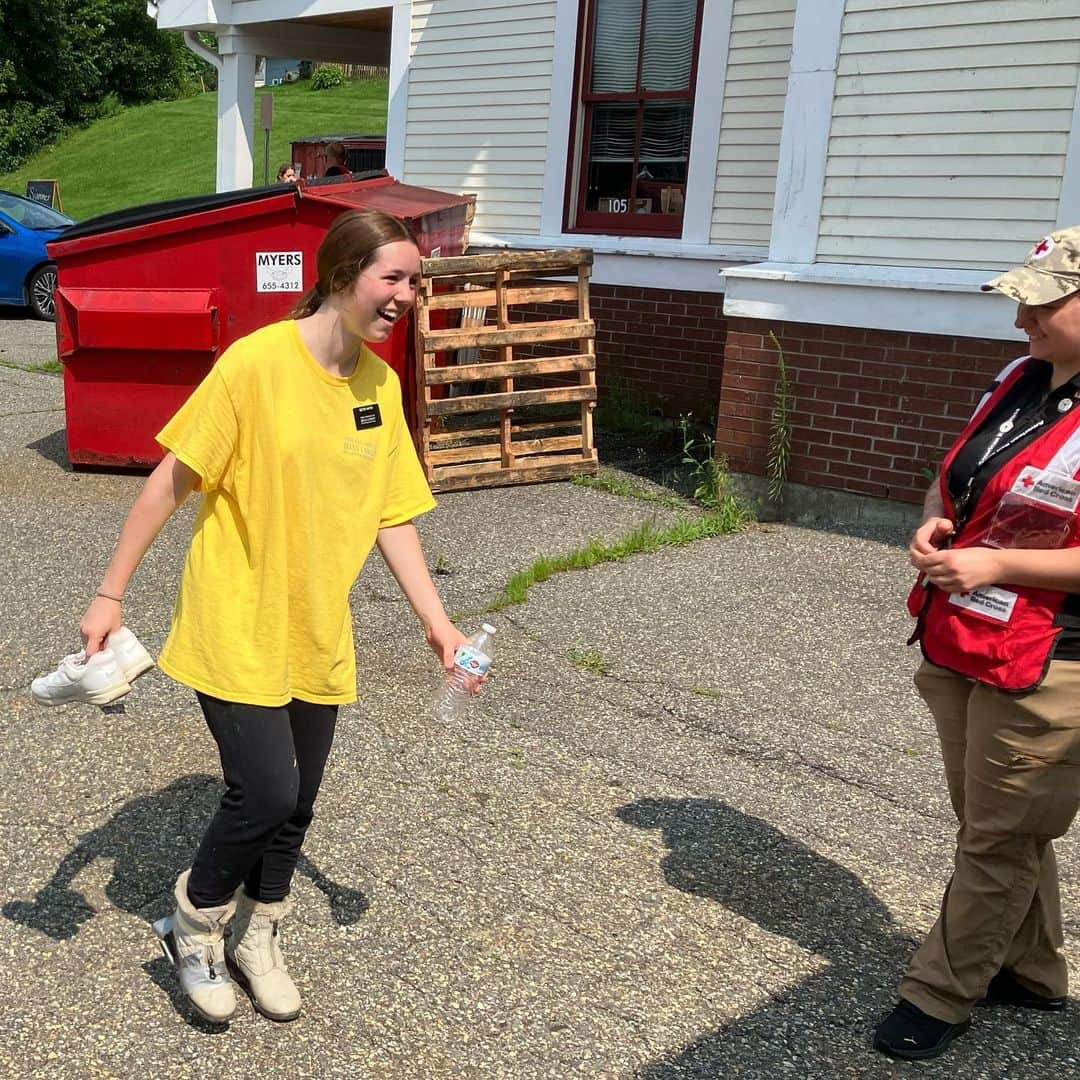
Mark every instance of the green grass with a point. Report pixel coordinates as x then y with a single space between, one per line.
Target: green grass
733 516
590 660
46 367
707 691
167 149
616 484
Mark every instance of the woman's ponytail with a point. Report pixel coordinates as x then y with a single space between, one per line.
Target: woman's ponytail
307 305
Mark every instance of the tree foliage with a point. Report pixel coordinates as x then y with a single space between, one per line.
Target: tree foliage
66 62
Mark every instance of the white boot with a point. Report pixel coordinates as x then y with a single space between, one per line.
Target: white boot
194 940
254 950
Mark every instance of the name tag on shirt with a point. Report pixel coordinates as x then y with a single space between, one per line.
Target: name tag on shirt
367 416
989 602
1050 489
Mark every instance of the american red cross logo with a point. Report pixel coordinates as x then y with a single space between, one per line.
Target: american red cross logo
1044 246
1027 481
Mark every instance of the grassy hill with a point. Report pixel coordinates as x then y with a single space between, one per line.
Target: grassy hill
167 149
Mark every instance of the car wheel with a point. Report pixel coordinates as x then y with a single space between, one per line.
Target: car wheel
40 291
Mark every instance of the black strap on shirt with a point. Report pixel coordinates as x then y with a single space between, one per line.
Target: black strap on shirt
1021 416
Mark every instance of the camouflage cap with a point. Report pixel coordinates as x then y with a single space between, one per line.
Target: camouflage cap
1050 272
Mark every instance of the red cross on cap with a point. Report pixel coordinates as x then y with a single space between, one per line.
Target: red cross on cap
1044 246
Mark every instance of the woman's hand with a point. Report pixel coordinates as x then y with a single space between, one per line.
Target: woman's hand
102 617
445 642
444 638
960 570
929 537
400 547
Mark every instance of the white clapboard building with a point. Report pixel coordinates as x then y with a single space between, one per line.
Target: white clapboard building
836 176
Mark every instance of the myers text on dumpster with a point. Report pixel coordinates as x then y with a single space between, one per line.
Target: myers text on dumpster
279 271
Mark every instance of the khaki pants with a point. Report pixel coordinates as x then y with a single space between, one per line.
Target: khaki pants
1013 769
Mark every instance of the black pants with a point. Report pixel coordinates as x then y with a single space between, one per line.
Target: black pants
273 761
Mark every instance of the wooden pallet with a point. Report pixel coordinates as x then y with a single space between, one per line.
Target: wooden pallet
530 419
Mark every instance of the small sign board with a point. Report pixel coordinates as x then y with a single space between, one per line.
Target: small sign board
46 192
279 271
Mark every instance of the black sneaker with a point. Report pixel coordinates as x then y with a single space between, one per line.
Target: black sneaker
909 1033
1005 990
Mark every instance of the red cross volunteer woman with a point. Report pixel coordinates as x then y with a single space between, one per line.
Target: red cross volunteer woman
297 442
998 609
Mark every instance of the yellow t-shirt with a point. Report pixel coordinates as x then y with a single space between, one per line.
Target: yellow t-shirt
300 470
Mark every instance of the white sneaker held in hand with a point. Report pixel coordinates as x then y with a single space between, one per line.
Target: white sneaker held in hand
129 652
94 680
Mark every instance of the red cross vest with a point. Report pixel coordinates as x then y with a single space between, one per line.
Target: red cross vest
1004 634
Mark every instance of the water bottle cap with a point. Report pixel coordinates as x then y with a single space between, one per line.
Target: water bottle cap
488 628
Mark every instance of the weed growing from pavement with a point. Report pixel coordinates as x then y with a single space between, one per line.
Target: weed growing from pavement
615 484
590 660
709 474
47 367
731 516
707 691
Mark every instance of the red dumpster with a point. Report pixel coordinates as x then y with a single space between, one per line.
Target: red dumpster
362 152
147 298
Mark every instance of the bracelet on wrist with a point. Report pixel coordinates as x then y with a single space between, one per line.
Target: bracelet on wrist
114 599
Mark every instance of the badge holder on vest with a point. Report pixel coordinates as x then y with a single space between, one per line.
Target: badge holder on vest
1039 511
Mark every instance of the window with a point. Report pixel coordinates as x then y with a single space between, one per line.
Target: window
637 64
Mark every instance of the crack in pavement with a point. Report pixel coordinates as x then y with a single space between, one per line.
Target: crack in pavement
739 746
31 412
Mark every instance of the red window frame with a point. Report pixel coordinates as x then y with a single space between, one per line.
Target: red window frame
577 218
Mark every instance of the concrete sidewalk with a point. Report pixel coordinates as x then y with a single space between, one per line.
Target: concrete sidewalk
711 861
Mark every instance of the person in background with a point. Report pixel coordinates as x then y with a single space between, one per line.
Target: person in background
297 442
335 159
286 174
998 609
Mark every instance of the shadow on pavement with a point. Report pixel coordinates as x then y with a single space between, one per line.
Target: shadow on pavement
150 840
821 1026
53 448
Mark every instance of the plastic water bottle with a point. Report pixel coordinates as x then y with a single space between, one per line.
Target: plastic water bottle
471 662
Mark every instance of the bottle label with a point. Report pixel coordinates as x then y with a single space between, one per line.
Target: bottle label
471 660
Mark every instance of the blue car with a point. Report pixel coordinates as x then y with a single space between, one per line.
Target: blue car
27 278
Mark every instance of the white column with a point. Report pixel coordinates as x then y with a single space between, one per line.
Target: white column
397 108
708 116
804 141
560 112
235 120
1069 200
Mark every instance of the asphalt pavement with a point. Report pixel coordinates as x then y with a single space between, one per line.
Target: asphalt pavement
693 828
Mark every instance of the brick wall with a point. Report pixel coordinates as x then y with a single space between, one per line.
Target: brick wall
872 408
665 344
662 342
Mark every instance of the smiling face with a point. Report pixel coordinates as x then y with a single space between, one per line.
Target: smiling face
1053 330
383 292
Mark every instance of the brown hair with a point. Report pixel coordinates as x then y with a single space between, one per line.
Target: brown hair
347 249
335 151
